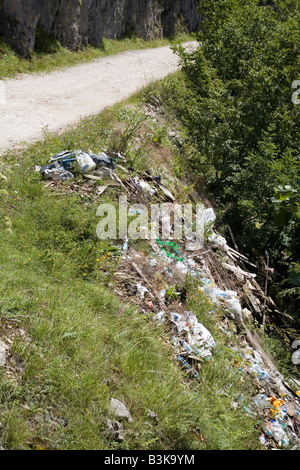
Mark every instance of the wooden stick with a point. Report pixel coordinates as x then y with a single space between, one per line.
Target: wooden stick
266 290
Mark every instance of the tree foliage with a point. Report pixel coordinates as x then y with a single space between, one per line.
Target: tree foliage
239 86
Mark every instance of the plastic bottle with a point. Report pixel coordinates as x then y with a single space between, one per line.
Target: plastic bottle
125 245
268 430
186 346
283 411
262 439
261 401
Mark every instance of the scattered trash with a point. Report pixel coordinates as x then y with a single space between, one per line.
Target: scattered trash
173 249
193 343
160 316
279 415
125 245
262 439
56 171
61 164
143 186
189 367
153 416
137 185
218 241
141 290
198 339
103 160
209 216
228 298
233 305
180 266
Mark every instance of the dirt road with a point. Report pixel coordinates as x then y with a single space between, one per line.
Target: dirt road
59 99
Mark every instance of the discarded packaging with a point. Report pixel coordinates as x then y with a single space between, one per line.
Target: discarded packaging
209 216
56 171
199 340
103 160
60 164
143 186
85 162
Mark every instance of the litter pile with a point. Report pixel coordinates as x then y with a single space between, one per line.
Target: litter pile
276 408
59 165
192 342
155 283
278 415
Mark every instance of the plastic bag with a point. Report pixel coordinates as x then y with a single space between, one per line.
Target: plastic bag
85 162
103 160
209 216
233 305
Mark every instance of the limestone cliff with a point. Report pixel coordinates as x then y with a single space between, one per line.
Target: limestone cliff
75 23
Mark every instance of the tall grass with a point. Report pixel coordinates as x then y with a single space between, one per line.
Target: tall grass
81 345
49 55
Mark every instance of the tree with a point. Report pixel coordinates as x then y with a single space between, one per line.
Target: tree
244 123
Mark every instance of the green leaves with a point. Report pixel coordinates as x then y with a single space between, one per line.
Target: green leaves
240 114
287 200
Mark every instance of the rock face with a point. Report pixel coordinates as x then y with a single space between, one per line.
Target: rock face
76 23
181 15
18 22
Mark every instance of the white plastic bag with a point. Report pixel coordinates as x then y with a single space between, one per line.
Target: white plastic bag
209 216
234 306
85 162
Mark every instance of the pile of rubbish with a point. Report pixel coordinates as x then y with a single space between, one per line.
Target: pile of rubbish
63 166
192 342
278 414
145 279
199 341
276 407
60 165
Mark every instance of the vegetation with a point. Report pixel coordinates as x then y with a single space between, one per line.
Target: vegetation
75 344
245 126
80 344
50 55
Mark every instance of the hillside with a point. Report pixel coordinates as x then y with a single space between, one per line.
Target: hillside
149 264
84 322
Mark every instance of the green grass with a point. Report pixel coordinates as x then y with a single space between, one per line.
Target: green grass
84 346
50 55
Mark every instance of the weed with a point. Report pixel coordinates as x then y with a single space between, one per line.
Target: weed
50 55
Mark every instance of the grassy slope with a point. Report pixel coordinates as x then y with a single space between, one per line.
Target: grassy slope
50 55
56 280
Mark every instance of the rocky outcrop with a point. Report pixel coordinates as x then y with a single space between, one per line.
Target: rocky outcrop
180 15
104 25
76 23
18 22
